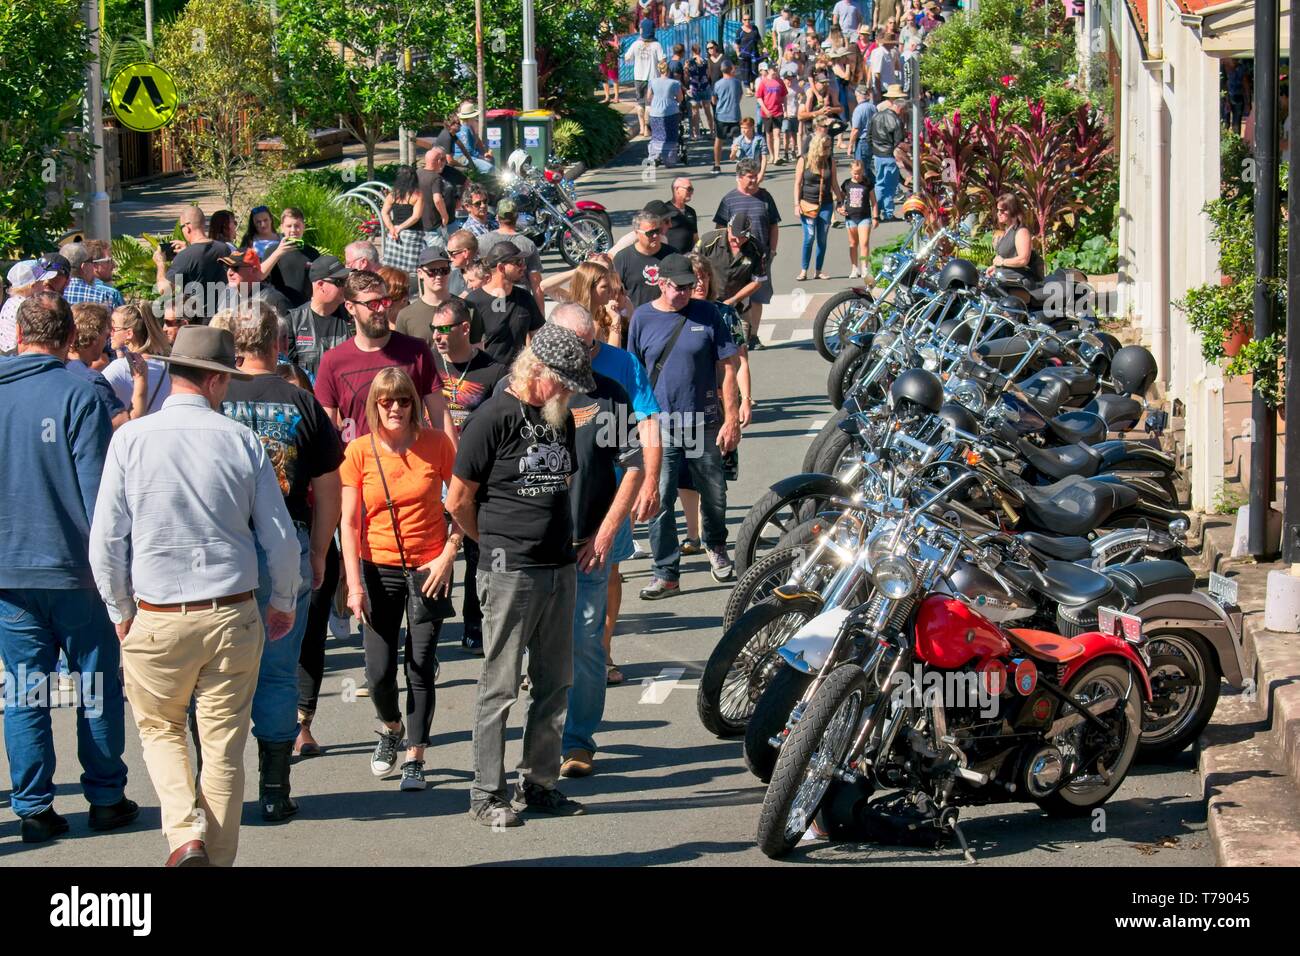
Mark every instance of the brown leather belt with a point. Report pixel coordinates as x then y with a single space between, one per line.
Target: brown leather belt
210 604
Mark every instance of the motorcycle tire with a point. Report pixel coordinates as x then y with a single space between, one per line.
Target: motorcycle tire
830 320
769 572
825 734
1066 802
727 693
810 456
770 518
844 373
1179 656
771 713
585 234
834 453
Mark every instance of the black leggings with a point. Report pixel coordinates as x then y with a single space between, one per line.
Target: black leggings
386 589
311 659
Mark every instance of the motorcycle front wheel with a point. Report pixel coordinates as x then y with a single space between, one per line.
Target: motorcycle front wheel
583 236
770 519
806 764
845 370
832 319
772 712
772 570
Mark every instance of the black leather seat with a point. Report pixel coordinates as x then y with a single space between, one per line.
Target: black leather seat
1071 427
1063 461
1048 395
1064 582
1119 411
1080 381
1004 354
1075 506
1145 580
1059 548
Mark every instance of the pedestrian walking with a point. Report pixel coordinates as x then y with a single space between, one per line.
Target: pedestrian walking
727 94
815 191
81 284
305 453
700 89
764 221
748 45
321 322
858 209
637 265
886 136
502 308
179 572
510 492
401 216
54 425
608 41
416 320
645 55
666 97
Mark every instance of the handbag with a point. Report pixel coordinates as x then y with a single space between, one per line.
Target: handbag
420 609
807 207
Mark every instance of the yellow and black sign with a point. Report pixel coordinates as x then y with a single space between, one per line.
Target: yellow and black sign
143 97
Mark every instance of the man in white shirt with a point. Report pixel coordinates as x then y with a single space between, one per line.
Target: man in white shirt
680 12
847 15
644 54
178 573
885 66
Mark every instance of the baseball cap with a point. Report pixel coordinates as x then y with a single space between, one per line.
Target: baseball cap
241 257
502 252
507 207
789 68
55 264
563 353
76 253
26 272
327 267
862 89
660 208
740 227
677 269
434 252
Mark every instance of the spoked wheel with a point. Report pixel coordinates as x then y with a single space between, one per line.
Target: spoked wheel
770 518
1106 758
847 367
807 762
829 429
772 570
784 689
839 452
737 670
584 235
834 316
1185 691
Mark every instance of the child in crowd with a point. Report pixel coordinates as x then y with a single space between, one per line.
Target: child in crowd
794 94
858 210
749 145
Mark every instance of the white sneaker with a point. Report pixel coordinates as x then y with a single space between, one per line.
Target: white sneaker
853 272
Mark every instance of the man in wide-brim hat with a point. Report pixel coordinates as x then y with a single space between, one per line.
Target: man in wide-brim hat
187 500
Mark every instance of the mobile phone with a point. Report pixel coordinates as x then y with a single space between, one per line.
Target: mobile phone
168 250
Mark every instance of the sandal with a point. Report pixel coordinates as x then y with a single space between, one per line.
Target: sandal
802 276
613 676
822 275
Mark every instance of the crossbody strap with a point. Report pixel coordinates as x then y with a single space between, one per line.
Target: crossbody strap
663 356
392 510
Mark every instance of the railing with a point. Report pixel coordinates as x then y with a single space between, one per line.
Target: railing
370 194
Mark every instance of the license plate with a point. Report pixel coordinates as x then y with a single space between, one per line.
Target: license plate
1118 624
1223 589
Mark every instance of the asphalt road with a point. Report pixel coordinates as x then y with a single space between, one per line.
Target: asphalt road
665 791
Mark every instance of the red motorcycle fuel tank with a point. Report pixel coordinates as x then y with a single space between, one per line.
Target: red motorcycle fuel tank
949 634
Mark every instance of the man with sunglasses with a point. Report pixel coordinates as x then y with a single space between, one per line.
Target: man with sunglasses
104 266
462 248
196 274
506 231
434 270
81 283
245 281
321 322
480 220
638 265
346 371
504 309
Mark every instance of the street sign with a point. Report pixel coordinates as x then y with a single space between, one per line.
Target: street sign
143 97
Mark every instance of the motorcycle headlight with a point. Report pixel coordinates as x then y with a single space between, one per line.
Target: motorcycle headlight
889 264
929 357
879 545
895 578
968 392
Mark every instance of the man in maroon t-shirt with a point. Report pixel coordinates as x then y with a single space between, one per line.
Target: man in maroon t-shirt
346 371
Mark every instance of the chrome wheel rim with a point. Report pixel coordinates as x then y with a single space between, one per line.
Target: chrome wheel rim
1071 743
1187 700
821 766
738 695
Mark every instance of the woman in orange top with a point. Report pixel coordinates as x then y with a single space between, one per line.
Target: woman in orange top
416 463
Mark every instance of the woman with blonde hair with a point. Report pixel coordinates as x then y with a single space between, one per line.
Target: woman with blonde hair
135 328
815 192
597 289
398 556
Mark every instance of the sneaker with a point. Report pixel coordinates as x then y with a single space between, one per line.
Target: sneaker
413 775
532 797
494 813
577 763
755 345
720 565
639 552
472 643
717 169
853 272
384 758
658 588
692 546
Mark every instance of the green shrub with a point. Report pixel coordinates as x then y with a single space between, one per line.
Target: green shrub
590 132
1098 255
330 225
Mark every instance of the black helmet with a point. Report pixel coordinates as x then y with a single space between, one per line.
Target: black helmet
947 326
917 387
1009 303
959 274
960 417
1133 369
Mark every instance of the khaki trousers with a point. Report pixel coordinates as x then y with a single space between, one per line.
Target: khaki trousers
209 655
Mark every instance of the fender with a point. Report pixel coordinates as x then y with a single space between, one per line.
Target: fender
1097 644
589 205
811 645
1119 454
1201 615
863 340
1143 508
812 484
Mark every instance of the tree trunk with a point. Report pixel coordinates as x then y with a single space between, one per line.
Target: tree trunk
371 142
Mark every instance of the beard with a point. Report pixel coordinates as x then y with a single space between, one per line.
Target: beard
373 328
556 412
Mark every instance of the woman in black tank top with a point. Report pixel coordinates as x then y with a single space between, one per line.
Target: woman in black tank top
401 216
1012 245
815 192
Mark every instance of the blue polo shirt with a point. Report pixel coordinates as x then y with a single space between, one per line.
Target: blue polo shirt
688 384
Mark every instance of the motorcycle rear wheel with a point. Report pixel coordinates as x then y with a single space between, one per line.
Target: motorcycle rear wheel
1179 656
583 235
806 763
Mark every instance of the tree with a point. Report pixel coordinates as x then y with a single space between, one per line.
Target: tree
345 58
44 49
221 58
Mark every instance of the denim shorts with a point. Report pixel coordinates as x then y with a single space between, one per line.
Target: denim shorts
624 547
854 223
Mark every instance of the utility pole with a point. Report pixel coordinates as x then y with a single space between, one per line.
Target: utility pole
405 136
1291 465
478 59
97 221
530 58
912 72
1264 419
148 23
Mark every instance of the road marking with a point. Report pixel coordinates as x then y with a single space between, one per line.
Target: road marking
655 690
816 427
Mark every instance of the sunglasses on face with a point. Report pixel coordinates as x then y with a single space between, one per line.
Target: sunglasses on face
457 252
477 202
402 401
682 288
170 323
437 271
336 283
650 233
374 305
446 329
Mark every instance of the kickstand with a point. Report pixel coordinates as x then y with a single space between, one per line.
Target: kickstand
965 847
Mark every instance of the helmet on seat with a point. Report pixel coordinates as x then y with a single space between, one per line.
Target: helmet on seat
960 417
916 387
1133 369
518 162
959 274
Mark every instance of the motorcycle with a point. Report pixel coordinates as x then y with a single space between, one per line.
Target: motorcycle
575 234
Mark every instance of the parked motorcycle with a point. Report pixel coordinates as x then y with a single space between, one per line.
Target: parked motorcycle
544 218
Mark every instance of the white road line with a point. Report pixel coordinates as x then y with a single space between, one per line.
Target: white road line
655 690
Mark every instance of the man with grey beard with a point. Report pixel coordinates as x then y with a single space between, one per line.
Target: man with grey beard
510 493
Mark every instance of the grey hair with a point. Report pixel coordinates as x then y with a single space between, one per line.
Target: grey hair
77 255
575 318
644 217
361 249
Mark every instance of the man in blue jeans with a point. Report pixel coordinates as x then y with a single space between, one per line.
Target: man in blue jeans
692 362
886 136
306 452
601 501
55 432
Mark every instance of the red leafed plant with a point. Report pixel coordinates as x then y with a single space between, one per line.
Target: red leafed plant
948 157
996 167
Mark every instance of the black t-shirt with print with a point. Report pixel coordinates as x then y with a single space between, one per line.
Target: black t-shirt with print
299 439
467 385
522 467
505 320
639 273
199 278
606 435
291 274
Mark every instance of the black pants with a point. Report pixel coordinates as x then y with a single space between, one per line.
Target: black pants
386 589
311 659
471 611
